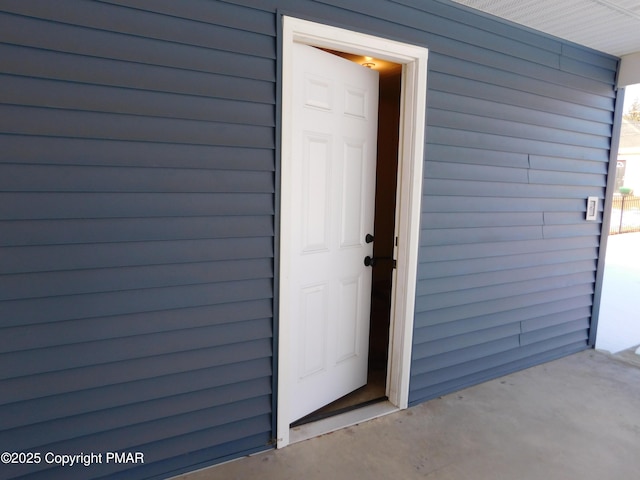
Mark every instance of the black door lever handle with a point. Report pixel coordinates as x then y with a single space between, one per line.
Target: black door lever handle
370 261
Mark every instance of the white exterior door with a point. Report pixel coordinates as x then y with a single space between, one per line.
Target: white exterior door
335 104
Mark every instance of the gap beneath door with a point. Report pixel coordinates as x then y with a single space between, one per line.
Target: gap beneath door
338 422
372 392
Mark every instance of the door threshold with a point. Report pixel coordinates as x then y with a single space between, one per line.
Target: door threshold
340 421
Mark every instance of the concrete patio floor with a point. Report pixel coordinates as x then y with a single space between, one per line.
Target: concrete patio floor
573 418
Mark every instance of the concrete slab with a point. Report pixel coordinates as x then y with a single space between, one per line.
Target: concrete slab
619 318
577 417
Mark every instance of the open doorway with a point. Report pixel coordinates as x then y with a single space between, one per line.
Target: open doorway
390 76
299 37
618 328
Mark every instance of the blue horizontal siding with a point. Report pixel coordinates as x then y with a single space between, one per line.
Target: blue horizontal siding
22 90
47 206
95 376
526 317
72 123
131 35
52 284
57 178
46 258
55 309
137 191
104 360
29 149
250 19
39 410
47 232
508 261
504 264
502 277
68 428
227 80
500 364
24 337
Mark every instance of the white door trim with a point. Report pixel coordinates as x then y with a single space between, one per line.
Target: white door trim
409 192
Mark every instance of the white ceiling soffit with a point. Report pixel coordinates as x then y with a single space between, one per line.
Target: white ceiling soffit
610 26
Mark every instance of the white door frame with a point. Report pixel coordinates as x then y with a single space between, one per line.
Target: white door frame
408 196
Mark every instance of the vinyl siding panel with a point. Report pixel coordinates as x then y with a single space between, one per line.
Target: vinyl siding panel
230 82
138 216
102 179
50 284
104 27
54 309
63 151
499 364
438 271
511 156
502 277
42 232
544 314
137 192
30 411
491 250
95 98
250 19
104 255
23 337
47 206
65 123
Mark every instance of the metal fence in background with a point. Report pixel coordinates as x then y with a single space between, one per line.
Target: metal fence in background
625 214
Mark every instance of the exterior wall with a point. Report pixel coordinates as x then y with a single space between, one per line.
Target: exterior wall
138 175
517 139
